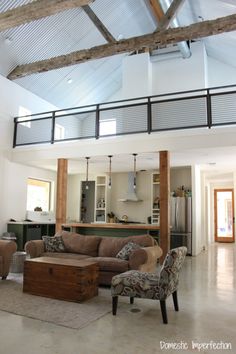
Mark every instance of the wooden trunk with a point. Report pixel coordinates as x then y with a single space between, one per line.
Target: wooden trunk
63 279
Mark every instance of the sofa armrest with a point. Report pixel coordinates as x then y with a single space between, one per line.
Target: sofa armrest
145 258
7 248
34 248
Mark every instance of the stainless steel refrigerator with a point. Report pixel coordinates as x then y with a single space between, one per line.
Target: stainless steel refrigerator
181 222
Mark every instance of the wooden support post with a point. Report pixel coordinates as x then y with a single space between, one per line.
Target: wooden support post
164 203
61 193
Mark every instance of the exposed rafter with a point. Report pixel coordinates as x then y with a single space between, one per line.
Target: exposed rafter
154 40
157 10
170 14
36 10
100 26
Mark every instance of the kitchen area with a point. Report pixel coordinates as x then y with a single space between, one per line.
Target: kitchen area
119 209
108 204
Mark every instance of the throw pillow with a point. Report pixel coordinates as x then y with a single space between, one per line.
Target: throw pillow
53 244
127 249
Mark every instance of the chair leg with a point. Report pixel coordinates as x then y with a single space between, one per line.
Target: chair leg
175 299
163 311
114 304
131 300
4 278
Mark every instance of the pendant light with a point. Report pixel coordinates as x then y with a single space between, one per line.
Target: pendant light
135 172
109 181
87 169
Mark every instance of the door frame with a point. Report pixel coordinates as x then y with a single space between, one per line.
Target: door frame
223 239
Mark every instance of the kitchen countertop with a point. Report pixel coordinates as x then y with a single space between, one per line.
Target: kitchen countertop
114 226
31 222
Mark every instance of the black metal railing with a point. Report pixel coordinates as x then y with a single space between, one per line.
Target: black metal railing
200 108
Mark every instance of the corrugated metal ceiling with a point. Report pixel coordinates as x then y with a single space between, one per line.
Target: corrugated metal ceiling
72 30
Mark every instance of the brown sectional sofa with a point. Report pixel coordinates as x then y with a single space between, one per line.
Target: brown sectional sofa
103 250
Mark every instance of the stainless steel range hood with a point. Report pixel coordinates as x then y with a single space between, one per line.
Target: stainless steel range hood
131 195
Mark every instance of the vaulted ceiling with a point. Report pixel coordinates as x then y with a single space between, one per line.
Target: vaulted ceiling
73 28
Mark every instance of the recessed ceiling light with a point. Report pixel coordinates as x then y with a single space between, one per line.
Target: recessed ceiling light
69 81
8 40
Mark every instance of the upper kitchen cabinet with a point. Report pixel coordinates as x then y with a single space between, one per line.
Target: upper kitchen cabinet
155 198
100 199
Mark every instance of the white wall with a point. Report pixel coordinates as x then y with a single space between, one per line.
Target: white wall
136 211
220 74
197 236
13 96
13 176
74 197
13 191
180 176
180 74
137 76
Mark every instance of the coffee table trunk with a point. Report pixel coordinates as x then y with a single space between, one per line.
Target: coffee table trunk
63 279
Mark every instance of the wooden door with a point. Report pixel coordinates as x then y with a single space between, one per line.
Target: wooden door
224 215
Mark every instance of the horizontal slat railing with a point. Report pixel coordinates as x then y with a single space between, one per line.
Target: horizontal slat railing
206 107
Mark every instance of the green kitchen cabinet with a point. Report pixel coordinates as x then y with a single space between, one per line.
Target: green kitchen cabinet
30 231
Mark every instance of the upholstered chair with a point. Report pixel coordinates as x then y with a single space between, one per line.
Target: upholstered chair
151 285
7 248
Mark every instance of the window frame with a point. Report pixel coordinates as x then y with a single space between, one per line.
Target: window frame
49 202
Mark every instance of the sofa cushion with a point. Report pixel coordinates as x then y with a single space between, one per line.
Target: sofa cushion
110 246
127 249
83 244
53 244
111 264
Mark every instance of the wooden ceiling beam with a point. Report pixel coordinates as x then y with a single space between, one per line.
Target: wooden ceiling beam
170 14
153 40
156 10
36 10
99 25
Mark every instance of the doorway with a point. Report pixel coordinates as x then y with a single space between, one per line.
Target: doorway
224 215
87 201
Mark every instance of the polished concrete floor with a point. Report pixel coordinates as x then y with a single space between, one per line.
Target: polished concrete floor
207 316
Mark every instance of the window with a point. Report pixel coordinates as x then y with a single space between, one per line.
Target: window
107 127
38 194
22 113
59 132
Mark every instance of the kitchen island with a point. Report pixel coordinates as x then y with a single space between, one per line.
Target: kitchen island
113 229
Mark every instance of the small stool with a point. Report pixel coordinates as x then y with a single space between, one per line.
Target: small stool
17 263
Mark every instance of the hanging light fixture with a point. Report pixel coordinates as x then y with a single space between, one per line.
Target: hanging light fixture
87 169
135 172
109 181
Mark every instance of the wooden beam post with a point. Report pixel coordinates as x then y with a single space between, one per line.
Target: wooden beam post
164 164
61 193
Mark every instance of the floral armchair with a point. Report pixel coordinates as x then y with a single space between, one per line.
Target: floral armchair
151 285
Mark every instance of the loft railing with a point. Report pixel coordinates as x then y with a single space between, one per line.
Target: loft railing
200 108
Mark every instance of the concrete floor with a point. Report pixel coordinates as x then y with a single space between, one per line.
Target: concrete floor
207 300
